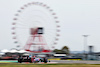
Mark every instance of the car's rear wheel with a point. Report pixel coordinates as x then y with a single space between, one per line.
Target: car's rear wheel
19 60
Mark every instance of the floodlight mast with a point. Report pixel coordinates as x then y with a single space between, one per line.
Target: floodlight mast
85 43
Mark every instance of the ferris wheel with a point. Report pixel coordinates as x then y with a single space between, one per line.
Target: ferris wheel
31 18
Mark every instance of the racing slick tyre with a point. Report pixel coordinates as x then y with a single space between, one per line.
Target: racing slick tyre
45 60
19 60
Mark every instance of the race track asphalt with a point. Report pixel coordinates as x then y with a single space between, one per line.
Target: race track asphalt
76 61
61 61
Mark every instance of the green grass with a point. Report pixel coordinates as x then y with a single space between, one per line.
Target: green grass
46 65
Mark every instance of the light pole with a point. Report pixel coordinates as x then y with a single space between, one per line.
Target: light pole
85 43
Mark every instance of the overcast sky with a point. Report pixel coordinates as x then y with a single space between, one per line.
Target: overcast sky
77 18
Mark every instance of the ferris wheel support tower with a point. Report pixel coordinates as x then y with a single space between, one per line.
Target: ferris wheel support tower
36 42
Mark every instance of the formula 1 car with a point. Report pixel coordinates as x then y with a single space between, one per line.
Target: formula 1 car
24 59
31 59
